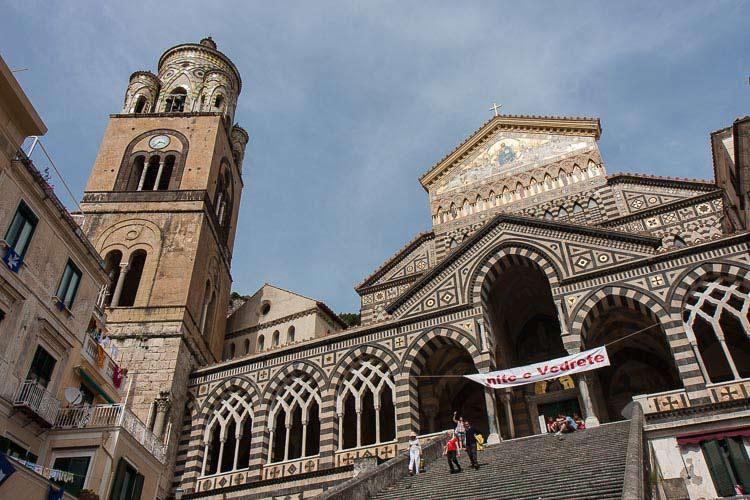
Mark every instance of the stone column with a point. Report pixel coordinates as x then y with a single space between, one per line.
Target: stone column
286 441
158 175
162 409
143 176
505 396
377 424
304 438
588 405
120 282
493 432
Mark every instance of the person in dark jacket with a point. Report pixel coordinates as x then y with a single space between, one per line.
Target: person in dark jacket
471 443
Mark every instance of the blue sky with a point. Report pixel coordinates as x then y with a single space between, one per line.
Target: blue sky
348 103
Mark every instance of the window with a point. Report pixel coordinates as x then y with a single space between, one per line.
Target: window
290 334
265 308
79 466
728 463
13 449
66 291
228 435
261 341
175 102
140 105
577 209
21 229
41 367
219 102
231 350
275 339
132 279
247 346
127 484
548 215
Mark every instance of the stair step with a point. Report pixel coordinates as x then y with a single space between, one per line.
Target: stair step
586 464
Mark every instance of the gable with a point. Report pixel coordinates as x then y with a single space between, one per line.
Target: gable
413 259
636 193
564 250
510 153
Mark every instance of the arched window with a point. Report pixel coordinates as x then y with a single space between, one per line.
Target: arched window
247 346
131 280
164 173
112 267
365 405
562 212
227 436
136 172
231 350
219 102
209 310
679 242
261 341
593 203
223 201
548 215
577 209
148 176
275 339
175 102
290 335
294 419
140 105
717 319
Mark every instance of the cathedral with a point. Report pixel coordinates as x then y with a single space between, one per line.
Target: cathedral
536 251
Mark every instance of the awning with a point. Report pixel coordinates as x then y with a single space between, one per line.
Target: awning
699 437
89 380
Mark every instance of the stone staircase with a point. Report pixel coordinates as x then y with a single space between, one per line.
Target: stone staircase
588 464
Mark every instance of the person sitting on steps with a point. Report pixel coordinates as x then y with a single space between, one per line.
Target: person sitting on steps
450 450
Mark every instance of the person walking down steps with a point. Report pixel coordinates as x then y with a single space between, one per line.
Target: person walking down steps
450 451
415 454
471 443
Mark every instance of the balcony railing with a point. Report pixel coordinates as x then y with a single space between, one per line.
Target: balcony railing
37 399
108 366
112 416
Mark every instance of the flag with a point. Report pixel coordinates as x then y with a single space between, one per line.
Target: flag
6 468
12 259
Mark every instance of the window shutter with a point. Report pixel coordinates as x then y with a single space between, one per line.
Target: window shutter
719 472
740 462
117 493
137 487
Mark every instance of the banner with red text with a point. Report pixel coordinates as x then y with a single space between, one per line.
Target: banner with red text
576 363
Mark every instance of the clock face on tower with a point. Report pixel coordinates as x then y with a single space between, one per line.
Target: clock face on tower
159 141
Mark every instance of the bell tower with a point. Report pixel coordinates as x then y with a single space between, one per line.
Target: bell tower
161 208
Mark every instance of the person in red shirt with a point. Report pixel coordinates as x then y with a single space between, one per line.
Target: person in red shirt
451 448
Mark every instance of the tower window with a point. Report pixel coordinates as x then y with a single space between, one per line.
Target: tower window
21 229
112 266
132 279
140 105
219 102
163 178
261 342
175 102
149 174
275 339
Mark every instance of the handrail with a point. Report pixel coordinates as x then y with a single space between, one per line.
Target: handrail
90 345
634 480
111 415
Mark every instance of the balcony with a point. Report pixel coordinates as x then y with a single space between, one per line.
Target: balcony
111 417
103 366
36 399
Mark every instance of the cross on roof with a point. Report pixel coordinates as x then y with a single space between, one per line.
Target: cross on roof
495 107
